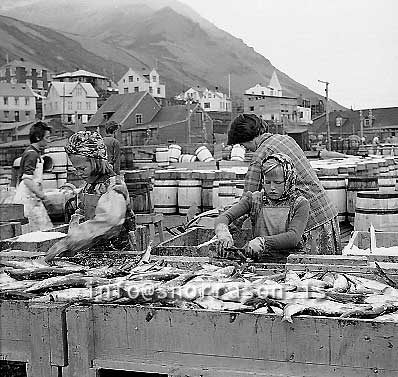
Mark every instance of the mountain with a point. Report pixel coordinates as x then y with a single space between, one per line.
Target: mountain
187 49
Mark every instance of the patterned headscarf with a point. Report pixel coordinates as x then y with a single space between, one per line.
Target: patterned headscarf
87 143
289 172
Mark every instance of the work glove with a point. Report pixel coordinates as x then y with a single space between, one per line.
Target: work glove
224 237
255 248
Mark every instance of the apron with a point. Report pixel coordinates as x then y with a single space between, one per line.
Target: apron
272 220
118 239
34 208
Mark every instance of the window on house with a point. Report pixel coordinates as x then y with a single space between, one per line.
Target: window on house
16 116
27 114
131 78
251 108
136 89
39 72
13 71
27 100
5 100
6 114
366 122
262 92
79 105
301 115
70 118
158 90
138 118
69 105
206 105
339 121
150 89
154 78
124 80
39 84
16 99
88 105
126 90
28 71
56 105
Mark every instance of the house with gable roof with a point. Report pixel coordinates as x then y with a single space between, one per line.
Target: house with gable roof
136 81
73 102
17 103
209 100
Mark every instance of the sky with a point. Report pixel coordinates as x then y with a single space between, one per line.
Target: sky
352 44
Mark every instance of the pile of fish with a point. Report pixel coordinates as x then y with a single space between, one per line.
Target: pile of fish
211 287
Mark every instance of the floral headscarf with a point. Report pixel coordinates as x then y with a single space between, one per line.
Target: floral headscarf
289 172
87 143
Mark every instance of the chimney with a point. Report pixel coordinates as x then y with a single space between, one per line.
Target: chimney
22 59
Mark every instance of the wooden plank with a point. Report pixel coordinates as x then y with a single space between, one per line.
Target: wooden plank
35 246
364 343
80 341
14 320
20 255
327 259
183 364
58 333
15 350
11 212
40 363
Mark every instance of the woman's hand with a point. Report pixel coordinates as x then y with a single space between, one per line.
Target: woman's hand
255 248
224 237
257 201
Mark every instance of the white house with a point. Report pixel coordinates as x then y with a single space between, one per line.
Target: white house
209 100
273 89
133 82
17 102
71 101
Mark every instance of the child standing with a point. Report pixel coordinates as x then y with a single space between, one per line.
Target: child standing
279 222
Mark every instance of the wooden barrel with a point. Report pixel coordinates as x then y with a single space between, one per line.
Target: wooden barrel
165 192
204 154
238 153
208 179
379 209
174 152
162 156
50 181
189 192
139 186
354 185
59 159
187 158
386 184
226 193
335 187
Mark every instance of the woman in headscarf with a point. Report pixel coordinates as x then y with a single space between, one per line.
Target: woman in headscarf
103 203
322 230
279 223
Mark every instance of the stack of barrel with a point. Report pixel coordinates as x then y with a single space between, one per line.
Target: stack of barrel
175 191
140 187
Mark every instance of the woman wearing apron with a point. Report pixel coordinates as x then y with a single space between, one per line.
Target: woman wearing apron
279 223
103 203
29 192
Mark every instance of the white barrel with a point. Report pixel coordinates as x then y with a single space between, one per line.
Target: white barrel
162 156
174 152
204 154
165 193
226 193
386 184
238 153
62 179
50 181
335 187
59 159
187 158
189 193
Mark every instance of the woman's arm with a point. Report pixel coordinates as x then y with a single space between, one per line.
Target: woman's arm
236 211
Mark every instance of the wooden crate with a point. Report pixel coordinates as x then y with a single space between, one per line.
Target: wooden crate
34 334
197 343
196 242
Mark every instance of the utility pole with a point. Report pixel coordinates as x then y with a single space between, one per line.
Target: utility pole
327 113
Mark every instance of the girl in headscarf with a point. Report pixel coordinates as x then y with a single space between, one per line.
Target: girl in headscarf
103 203
278 225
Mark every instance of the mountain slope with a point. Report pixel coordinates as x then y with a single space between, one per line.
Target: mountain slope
187 49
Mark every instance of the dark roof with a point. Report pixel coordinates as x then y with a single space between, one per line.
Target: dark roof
168 115
381 118
24 63
118 104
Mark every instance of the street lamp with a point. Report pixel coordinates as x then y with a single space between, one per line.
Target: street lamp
327 113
